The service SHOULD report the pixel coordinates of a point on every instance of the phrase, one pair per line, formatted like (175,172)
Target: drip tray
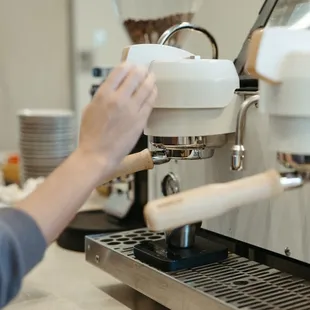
(236,283)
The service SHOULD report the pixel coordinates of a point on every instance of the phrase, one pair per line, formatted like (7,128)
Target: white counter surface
(65,281)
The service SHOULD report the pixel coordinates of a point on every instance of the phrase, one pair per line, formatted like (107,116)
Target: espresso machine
(255,206)
(144,22)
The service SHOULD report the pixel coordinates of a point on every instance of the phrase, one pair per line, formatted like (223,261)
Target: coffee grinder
(144,21)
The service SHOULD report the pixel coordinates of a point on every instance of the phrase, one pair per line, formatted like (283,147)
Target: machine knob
(170,185)
(93,90)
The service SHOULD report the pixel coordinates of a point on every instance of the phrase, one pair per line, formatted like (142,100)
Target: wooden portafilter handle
(133,163)
(210,201)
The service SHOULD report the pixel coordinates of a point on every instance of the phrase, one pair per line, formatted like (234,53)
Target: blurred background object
(46,139)
(10,169)
(145,21)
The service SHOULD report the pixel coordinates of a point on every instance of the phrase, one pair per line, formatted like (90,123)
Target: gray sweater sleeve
(22,246)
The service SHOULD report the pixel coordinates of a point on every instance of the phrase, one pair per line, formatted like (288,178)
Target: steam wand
(164,38)
(238,150)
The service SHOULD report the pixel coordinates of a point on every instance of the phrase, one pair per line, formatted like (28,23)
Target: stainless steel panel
(236,283)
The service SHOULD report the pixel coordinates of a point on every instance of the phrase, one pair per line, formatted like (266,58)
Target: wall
(34,61)
(98,34)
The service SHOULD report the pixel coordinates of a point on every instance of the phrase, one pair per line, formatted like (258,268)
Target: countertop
(65,281)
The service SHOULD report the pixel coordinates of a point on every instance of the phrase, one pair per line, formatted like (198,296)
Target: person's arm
(111,126)
(55,202)
(22,246)
(26,230)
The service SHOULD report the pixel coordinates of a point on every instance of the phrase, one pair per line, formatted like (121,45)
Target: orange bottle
(11,169)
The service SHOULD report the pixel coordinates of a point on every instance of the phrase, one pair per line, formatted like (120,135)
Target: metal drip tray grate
(236,283)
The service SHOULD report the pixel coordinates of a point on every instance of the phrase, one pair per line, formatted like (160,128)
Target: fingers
(130,82)
(147,107)
(145,90)
(133,81)
(117,76)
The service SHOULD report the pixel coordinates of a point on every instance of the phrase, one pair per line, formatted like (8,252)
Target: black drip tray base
(92,223)
(158,255)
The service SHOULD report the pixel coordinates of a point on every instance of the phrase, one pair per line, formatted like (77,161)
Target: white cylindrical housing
(193,122)
(290,135)
(288,106)
(196,97)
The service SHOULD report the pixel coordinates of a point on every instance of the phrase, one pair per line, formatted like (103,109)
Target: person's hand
(113,122)
(111,126)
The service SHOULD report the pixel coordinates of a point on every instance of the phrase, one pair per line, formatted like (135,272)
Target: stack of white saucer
(47,138)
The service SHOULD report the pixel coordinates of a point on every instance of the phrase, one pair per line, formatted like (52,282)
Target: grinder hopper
(145,21)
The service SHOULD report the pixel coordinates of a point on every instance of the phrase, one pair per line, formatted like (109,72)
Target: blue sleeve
(22,246)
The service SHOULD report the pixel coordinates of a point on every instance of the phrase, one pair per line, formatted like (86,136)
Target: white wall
(34,61)
(98,32)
